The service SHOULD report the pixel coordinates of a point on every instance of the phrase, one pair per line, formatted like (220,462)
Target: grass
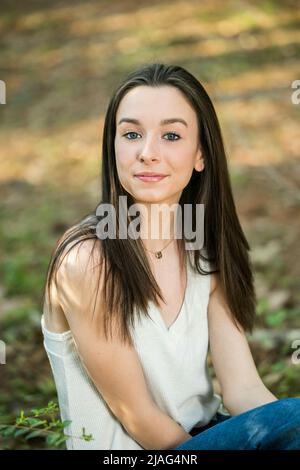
(61,65)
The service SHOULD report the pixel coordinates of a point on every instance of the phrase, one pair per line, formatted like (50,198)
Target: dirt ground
(60,62)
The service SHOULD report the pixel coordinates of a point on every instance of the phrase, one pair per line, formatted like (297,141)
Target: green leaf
(33,434)
(66,423)
(20,432)
(52,406)
(51,439)
(36,422)
(61,440)
(9,431)
(56,422)
(21,419)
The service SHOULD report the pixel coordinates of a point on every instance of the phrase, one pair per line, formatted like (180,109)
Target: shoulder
(75,282)
(80,276)
(82,258)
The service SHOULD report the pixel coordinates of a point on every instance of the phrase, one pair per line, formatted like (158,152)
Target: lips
(148,173)
(150,177)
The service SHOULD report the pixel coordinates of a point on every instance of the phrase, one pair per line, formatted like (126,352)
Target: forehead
(154,104)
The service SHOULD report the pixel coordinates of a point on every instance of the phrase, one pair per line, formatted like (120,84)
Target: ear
(199,161)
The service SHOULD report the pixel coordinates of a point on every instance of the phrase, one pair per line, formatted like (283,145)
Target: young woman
(146,384)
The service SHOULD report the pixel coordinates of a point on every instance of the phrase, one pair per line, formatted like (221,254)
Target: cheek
(124,155)
(182,163)
(182,168)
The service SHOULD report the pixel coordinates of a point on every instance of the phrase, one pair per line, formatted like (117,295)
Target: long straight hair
(129,283)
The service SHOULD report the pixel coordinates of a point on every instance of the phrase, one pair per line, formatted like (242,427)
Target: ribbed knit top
(174,362)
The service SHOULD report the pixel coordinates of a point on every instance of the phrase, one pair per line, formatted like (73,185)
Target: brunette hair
(129,281)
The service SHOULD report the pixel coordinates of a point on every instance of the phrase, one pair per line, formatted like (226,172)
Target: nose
(149,152)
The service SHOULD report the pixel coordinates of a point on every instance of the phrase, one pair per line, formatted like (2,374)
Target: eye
(168,133)
(173,133)
(127,133)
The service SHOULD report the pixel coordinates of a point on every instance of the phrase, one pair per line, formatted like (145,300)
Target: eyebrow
(162,123)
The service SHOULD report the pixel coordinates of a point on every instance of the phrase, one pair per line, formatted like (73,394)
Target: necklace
(158,254)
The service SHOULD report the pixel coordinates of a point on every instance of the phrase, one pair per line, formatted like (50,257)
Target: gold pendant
(158,254)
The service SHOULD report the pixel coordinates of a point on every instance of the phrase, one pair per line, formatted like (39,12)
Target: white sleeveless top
(174,361)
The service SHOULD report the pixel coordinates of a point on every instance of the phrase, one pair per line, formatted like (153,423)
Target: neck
(157,225)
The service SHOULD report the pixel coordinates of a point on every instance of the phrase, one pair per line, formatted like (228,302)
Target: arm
(252,398)
(241,385)
(158,431)
(114,367)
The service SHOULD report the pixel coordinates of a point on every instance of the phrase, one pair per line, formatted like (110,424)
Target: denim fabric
(273,426)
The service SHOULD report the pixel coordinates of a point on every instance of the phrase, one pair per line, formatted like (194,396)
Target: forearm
(157,431)
(248,399)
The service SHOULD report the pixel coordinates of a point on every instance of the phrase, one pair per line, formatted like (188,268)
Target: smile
(149,179)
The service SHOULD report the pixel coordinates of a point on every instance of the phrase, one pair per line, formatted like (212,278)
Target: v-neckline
(157,316)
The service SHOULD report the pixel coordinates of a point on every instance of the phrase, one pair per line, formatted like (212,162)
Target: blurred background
(60,61)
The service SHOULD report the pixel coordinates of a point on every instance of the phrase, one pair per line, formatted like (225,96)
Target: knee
(279,428)
(290,406)
(287,435)
(273,415)
(287,409)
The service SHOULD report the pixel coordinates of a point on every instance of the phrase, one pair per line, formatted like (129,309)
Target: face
(148,145)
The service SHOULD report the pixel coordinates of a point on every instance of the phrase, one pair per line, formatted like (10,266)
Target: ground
(60,62)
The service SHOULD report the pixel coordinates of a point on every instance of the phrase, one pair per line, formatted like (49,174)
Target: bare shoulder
(79,269)
(75,276)
(82,256)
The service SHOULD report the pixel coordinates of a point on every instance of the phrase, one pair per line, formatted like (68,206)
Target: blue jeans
(273,426)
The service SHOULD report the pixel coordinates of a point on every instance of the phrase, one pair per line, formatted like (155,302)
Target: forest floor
(60,65)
